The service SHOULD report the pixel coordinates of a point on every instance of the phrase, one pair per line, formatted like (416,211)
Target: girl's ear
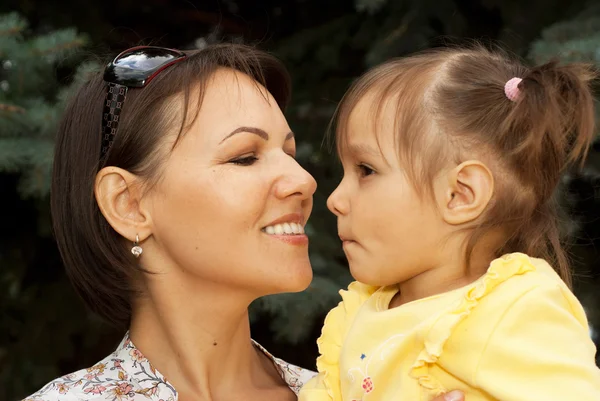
(465,192)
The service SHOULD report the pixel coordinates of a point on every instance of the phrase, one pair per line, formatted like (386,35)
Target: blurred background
(46,46)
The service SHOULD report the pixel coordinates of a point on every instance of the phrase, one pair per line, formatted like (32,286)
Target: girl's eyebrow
(359,149)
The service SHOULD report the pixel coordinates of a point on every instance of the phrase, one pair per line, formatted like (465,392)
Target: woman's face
(232,201)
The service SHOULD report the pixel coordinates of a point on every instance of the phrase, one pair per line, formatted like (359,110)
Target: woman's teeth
(284,229)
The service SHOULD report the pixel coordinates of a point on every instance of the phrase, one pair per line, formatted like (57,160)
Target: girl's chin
(364,274)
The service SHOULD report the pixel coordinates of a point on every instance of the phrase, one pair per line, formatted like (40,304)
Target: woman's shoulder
(89,384)
(293,375)
(124,374)
(127,374)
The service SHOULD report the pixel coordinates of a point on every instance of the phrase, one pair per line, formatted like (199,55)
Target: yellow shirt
(516,334)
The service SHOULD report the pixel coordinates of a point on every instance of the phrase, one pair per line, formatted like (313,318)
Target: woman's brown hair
(97,260)
(450,105)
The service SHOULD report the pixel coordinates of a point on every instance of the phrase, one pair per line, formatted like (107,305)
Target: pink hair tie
(511,89)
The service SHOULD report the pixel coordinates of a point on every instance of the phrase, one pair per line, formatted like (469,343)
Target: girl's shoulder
(516,288)
(515,279)
(514,275)
(517,292)
(511,308)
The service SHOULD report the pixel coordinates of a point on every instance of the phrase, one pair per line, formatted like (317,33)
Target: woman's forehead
(234,91)
(231,100)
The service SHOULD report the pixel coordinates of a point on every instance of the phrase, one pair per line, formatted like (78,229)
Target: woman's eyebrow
(254,130)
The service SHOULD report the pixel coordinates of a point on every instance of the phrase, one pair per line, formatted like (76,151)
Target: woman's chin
(303,282)
(297,279)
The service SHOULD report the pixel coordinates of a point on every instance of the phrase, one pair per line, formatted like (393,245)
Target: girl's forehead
(367,145)
(368,123)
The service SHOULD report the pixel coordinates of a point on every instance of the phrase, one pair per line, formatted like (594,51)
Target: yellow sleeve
(326,385)
(540,349)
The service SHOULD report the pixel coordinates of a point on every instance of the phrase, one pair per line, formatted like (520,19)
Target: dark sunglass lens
(135,67)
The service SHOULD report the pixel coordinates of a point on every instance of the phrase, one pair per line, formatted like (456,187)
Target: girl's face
(390,234)
(232,201)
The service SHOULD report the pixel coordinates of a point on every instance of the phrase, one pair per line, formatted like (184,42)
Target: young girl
(447,218)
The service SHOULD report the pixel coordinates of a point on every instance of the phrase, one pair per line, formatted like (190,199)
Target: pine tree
(573,40)
(33,286)
(31,98)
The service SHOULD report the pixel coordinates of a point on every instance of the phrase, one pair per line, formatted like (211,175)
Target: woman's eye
(245,161)
(365,170)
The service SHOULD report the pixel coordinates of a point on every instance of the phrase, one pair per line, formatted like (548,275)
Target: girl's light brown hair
(97,259)
(450,106)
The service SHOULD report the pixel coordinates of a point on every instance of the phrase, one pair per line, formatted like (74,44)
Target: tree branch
(63,46)
(12,108)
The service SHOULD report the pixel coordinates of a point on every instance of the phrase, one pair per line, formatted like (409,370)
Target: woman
(187,208)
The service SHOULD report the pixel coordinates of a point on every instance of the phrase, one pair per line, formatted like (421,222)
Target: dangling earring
(136,250)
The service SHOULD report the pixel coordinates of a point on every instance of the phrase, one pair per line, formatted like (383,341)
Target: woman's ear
(119,196)
(465,191)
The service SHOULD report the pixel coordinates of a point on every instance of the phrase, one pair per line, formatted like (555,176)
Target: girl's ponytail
(549,128)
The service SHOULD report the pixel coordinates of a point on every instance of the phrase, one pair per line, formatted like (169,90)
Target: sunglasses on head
(133,68)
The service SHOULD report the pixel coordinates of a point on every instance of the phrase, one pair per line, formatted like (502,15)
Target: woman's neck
(198,336)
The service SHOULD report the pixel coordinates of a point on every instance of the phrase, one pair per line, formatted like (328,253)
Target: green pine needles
(32,97)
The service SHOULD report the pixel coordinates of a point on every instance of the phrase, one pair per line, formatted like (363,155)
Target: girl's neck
(444,277)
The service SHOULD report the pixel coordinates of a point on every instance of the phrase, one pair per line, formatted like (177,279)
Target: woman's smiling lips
(288,228)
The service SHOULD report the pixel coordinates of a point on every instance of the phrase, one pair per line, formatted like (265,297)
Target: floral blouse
(126,375)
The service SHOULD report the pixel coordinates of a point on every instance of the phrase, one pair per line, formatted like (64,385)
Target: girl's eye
(245,161)
(365,170)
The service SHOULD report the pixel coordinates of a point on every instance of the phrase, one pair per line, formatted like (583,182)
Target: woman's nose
(296,181)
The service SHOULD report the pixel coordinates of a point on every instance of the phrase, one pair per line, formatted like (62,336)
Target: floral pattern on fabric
(294,376)
(126,375)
